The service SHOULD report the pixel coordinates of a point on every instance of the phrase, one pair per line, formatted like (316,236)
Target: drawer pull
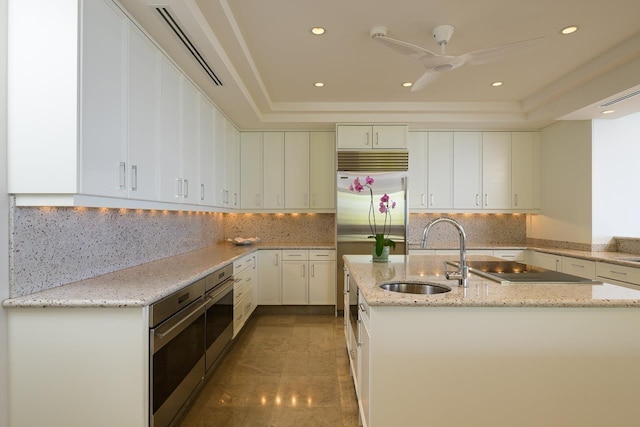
(621,273)
(577,265)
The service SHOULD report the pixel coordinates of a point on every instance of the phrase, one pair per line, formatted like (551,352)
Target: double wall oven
(189,330)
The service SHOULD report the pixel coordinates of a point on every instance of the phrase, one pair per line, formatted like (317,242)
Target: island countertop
(480,293)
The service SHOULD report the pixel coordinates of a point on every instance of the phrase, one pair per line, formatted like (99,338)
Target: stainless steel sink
(425,288)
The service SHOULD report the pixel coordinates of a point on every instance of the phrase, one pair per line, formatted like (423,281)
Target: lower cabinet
(618,274)
(579,267)
(244,302)
(364,358)
(309,277)
(544,260)
(270,277)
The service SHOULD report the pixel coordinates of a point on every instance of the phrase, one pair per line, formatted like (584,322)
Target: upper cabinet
(363,137)
(473,171)
(288,171)
(119,125)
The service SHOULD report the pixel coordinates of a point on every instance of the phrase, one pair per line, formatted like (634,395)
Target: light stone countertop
(480,293)
(147,283)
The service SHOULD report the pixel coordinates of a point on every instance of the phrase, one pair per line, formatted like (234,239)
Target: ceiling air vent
(621,98)
(164,12)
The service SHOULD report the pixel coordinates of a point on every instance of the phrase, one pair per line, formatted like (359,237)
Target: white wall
(616,200)
(4,218)
(565,184)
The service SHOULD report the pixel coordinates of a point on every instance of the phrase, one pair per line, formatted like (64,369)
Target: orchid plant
(384,207)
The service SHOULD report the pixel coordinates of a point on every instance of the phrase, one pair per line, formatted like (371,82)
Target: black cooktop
(516,272)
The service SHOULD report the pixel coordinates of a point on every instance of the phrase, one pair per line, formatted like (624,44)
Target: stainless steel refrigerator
(389,173)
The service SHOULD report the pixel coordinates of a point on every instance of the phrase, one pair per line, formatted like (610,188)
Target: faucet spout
(462,275)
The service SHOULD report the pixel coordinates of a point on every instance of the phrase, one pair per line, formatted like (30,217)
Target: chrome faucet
(462,275)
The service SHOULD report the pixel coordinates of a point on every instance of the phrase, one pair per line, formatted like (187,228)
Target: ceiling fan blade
(428,76)
(483,56)
(404,47)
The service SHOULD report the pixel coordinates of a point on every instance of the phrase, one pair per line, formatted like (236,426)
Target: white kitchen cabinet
(189,146)
(545,260)
(309,277)
(207,151)
(270,277)
(296,161)
(251,174)
(364,361)
(467,171)
(417,185)
(579,267)
(322,277)
(620,274)
(368,137)
(295,271)
(273,170)
(143,117)
(525,157)
(496,170)
(322,170)
(430,170)
(220,161)
(232,165)
(245,275)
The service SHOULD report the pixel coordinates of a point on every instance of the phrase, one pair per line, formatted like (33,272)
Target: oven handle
(217,293)
(166,332)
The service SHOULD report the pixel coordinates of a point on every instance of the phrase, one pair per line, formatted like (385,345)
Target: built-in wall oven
(219,331)
(188,331)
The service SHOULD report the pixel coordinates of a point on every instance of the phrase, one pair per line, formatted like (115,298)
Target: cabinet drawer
(241,288)
(618,272)
(579,267)
(295,255)
(242,264)
(322,255)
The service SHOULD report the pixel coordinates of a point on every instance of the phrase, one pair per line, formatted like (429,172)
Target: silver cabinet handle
(621,273)
(123,175)
(186,188)
(178,192)
(477,201)
(304,270)
(486,199)
(134,177)
(361,306)
(377,139)
(277,256)
(422,199)
(201,191)
(577,265)
(515,200)
(366,138)
(431,199)
(235,199)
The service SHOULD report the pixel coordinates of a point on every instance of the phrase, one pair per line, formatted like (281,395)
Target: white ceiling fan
(438,63)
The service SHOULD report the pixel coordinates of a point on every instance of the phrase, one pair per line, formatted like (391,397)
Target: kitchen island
(493,354)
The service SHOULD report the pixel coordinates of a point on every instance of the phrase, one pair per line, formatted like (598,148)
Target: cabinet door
(417,191)
(322,282)
(269,277)
(103,106)
(523,157)
(296,161)
(207,152)
(295,282)
(364,365)
(496,170)
(579,267)
(467,171)
(189,148)
(170,187)
(354,136)
(143,138)
(273,175)
(220,160)
(390,136)
(548,261)
(322,170)
(232,153)
(440,170)
(251,170)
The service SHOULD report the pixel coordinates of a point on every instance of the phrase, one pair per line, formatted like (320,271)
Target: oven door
(177,361)
(219,330)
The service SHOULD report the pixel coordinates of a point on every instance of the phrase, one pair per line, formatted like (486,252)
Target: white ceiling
(268,60)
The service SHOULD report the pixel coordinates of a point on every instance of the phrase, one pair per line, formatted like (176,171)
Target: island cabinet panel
(502,366)
(75,367)
(270,277)
(617,273)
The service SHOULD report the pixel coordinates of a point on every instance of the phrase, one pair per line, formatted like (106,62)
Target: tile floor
(283,370)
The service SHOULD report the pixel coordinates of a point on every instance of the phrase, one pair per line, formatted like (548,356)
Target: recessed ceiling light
(317,31)
(569,30)
(318,84)
(496,84)
(608,111)
(407,84)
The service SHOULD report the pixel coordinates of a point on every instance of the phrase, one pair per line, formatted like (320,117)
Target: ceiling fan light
(317,31)
(569,30)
